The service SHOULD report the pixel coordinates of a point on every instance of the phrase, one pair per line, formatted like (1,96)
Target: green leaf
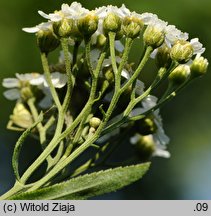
(19,143)
(89,185)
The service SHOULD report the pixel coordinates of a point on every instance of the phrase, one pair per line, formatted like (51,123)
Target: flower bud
(144,145)
(94,122)
(112,23)
(182,51)
(63,28)
(153,36)
(199,66)
(146,126)
(108,74)
(101,40)
(88,25)
(132,27)
(179,75)
(163,58)
(26,93)
(47,41)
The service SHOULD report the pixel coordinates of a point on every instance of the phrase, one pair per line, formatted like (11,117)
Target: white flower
(197,46)
(74,11)
(159,150)
(146,18)
(103,12)
(148,103)
(43,26)
(59,80)
(173,34)
(15,84)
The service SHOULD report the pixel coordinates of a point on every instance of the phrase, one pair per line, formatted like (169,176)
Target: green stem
(88,57)
(112,52)
(63,163)
(35,115)
(15,189)
(161,103)
(70,78)
(144,60)
(49,81)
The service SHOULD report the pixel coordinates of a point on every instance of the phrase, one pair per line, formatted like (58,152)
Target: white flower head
(148,103)
(35,79)
(74,11)
(158,150)
(15,84)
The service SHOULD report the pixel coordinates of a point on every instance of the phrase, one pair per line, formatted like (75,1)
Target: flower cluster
(101,81)
(94,96)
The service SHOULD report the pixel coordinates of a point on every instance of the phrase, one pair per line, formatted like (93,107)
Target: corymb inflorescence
(94,97)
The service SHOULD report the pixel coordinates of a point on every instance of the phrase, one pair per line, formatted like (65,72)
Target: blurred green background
(187,119)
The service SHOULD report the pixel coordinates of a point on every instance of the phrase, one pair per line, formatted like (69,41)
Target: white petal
(137,111)
(37,81)
(10,82)
(148,18)
(134,139)
(65,8)
(119,46)
(12,94)
(61,57)
(95,54)
(139,87)
(41,13)
(58,80)
(149,102)
(125,74)
(46,102)
(197,46)
(31,30)
(162,153)
(154,53)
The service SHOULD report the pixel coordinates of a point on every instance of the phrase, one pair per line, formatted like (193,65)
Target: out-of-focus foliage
(187,119)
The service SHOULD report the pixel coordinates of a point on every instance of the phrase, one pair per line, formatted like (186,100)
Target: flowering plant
(93,99)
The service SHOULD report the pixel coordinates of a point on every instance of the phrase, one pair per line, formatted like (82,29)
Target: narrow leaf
(18,146)
(89,185)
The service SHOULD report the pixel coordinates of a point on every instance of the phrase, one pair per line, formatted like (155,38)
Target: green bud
(145,147)
(88,25)
(163,58)
(182,51)
(132,27)
(26,93)
(94,122)
(47,41)
(112,23)
(179,75)
(101,40)
(108,74)
(153,36)
(119,35)
(146,126)
(199,66)
(63,28)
